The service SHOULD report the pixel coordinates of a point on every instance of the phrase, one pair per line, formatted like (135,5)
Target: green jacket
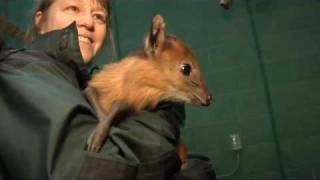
(45,121)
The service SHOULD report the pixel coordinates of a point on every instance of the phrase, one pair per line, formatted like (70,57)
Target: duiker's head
(178,64)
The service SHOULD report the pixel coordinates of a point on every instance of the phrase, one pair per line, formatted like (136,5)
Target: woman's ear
(38,18)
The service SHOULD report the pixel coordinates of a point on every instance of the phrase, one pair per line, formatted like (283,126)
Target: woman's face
(90,17)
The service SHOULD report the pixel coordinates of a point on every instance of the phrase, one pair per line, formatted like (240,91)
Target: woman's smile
(85,39)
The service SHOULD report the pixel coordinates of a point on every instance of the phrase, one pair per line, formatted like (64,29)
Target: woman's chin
(86,56)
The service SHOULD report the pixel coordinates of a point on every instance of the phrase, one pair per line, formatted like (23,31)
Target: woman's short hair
(43,6)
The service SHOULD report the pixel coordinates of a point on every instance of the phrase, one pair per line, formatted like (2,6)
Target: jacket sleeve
(141,146)
(45,121)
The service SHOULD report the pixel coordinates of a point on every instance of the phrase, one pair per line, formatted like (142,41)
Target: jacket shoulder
(37,62)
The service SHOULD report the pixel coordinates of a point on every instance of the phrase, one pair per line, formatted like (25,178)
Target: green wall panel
(16,11)
(288,32)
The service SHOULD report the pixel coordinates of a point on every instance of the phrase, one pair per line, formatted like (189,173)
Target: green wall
(261,60)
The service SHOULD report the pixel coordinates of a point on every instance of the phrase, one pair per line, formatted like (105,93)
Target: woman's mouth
(85,39)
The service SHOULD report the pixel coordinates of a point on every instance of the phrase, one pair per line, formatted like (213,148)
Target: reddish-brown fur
(151,76)
(132,81)
(143,82)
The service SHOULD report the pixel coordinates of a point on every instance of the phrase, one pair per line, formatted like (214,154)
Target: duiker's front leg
(182,151)
(100,133)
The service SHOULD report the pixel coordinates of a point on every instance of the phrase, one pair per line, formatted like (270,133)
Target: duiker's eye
(186,69)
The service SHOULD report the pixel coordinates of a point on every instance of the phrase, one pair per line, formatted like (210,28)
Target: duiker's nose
(208,100)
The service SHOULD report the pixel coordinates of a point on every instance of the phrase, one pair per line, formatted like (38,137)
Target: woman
(45,119)
(92,20)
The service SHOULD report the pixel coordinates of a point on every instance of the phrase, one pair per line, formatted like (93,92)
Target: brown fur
(143,82)
(151,76)
(134,81)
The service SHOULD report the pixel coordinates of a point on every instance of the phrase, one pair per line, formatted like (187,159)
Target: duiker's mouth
(200,101)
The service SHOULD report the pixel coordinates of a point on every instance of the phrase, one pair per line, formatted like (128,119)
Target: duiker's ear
(155,40)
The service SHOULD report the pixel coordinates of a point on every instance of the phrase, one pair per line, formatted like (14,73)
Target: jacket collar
(63,45)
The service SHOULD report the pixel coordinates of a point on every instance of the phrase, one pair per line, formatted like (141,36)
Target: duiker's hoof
(96,140)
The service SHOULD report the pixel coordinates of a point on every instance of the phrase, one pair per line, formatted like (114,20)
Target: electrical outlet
(235,142)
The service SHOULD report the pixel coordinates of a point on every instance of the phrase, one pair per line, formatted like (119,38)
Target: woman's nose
(85,20)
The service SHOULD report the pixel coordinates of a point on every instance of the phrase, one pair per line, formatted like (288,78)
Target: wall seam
(266,86)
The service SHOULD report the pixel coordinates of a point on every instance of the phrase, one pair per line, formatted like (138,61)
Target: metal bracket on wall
(226,4)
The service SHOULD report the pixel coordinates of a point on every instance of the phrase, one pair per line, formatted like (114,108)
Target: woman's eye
(100,18)
(186,69)
(73,9)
